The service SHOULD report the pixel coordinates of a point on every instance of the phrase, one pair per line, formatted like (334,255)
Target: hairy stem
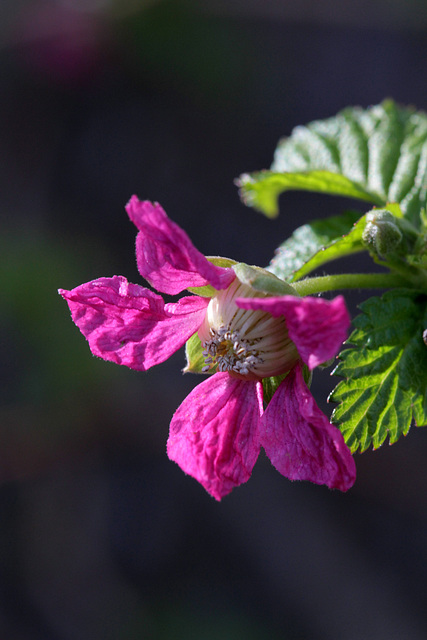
(310,286)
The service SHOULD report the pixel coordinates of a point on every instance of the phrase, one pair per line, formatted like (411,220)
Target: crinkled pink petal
(214,434)
(317,327)
(299,439)
(165,255)
(131,325)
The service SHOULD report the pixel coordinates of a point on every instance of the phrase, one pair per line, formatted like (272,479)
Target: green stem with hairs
(310,286)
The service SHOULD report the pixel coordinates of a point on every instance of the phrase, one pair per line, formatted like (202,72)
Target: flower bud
(382,234)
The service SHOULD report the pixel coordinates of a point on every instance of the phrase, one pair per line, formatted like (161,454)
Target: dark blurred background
(101,537)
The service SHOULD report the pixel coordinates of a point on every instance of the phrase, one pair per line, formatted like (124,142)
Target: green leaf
(261,190)
(378,154)
(305,249)
(385,373)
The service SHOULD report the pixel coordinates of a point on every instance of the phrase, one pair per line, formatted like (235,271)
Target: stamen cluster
(229,351)
(244,342)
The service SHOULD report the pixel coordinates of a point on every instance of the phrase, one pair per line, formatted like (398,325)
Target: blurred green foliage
(52,387)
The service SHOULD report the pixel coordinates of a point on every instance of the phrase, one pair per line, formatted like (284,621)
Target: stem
(349,281)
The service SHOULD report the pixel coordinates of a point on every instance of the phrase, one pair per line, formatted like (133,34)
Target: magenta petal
(131,325)
(300,441)
(214,434)
(317,327)
(166,257)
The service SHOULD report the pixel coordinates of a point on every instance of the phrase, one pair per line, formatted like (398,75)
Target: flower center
(246,343)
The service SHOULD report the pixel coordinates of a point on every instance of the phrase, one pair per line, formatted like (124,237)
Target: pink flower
(246,335)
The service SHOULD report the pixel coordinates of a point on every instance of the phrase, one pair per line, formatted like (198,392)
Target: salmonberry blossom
(244,335)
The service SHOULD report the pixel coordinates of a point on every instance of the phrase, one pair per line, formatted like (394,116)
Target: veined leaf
(385,372)
(261,190)
(309,245)
(378,154)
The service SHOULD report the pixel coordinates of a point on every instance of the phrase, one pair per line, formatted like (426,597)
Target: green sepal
(208,291)
(269,386)
(308,374)
(395,209)
(419,260)
(262,280)
(385,371)
(194,356)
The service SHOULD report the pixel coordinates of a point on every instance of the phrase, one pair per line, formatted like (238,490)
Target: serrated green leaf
(307,241)
(385,372)
(378,154)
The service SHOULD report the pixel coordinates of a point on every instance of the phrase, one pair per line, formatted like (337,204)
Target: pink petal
(166,257)
(214,433)
(300,441)
(317,327)
(131,325)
